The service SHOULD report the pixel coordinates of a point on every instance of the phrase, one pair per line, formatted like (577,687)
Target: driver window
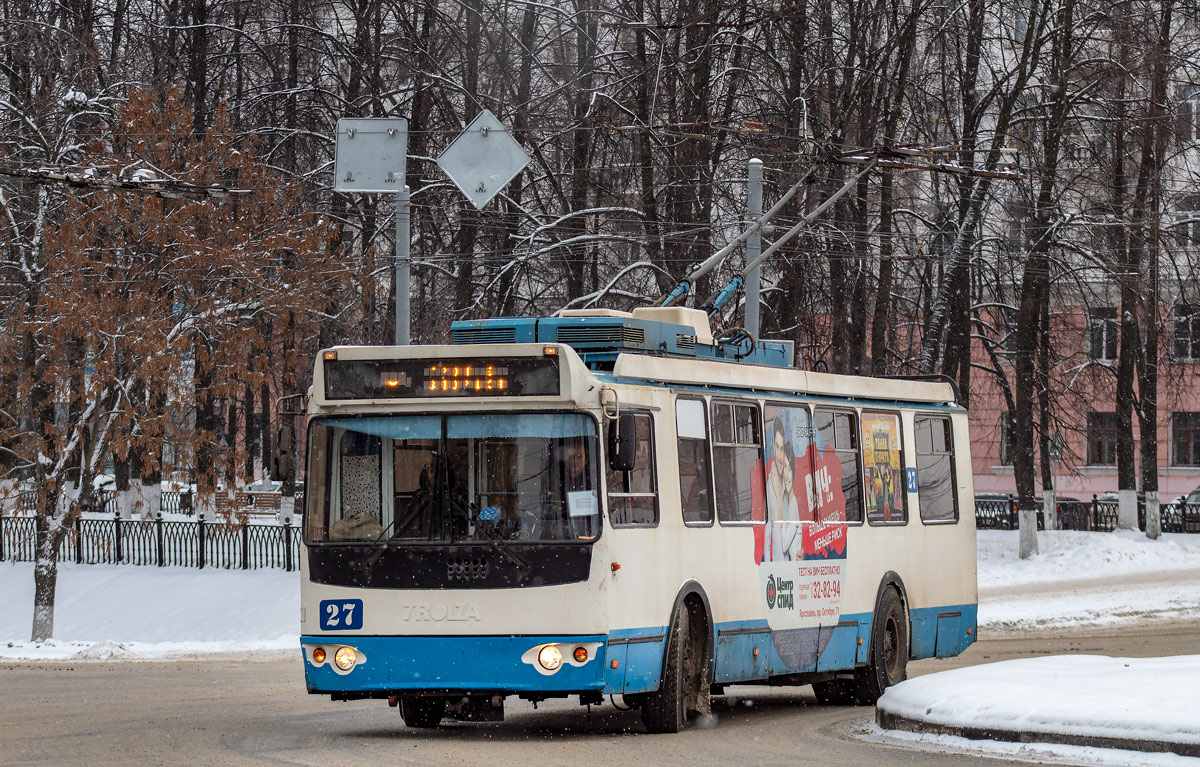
(413,474)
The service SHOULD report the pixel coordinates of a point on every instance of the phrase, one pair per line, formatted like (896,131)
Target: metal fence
(199,543)
(171,502)
(1094,515)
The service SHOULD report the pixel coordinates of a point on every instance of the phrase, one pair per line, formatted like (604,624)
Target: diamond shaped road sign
(483,159)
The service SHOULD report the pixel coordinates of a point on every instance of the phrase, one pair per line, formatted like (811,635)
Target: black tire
(835,692)
(665,709)
(422,712)
(889,650)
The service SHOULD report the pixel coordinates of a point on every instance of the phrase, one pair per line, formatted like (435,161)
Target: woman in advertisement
(783,505)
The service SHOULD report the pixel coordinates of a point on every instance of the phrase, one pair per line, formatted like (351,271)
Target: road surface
(239,711)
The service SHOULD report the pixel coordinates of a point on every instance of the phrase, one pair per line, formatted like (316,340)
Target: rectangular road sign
(370,154)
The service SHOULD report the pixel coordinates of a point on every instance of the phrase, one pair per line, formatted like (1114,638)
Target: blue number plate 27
(341,614)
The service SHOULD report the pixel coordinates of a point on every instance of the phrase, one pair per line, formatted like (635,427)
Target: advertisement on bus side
(804,554)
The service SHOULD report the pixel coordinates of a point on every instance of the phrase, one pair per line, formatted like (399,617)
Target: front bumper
(492,664)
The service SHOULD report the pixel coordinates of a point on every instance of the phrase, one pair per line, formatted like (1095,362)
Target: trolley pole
(403,265)
(754,243)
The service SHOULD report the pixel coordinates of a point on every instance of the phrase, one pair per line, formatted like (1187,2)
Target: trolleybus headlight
(345,658)
(581,654)
(319,655)
(550,657)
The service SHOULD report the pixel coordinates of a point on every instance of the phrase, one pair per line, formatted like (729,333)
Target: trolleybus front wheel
(422,712)
(889,650)
(683,689)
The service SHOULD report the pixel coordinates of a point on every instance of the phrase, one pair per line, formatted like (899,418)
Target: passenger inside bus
(414,472)
(572,512)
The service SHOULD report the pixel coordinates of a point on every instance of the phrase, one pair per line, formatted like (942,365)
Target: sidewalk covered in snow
(1137,704)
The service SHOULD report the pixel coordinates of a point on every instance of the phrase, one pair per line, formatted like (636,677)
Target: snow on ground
(1037,753)
(1077,579)
(1090,696)
(1065,555)
(1086,579)
(109,612)
(149,612)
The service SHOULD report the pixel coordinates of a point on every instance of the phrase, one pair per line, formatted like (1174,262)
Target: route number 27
(341,614)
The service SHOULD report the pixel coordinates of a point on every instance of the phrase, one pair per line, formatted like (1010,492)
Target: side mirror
(283,463)
(622,443)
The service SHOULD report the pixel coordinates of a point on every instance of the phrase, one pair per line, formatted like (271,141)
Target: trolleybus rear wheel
(835,692)
(889,650)
(422,712)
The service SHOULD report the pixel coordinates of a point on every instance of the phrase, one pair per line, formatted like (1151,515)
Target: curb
(889,721)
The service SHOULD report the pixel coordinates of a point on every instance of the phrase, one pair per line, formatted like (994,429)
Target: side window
(935,469)
(632,495)
(883,469)
(695,474)
(737,455)
(837,434)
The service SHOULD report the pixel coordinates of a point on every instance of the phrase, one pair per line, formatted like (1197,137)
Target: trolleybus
(618,504)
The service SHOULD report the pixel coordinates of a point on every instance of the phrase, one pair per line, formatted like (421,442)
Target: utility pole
(403,265)
(753,243)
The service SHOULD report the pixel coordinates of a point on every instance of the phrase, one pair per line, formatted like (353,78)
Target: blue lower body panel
(483,663)
(750,651)
(943,632)
(746,651)
(639,656)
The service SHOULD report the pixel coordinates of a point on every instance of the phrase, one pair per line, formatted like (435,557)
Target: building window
(1007,424)
(1188,230)
(1102,333)
(695,474)
(632,495)
(1186,338)
(1102,439)
(1188,127)
(935,469)
(1185,439)
(1187,222)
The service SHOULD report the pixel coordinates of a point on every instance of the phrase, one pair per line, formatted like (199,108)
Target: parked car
(1191,499)
(1000,510)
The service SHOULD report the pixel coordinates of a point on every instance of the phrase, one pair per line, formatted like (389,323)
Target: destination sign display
(402,379)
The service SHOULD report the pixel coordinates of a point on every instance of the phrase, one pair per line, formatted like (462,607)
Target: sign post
(371,157)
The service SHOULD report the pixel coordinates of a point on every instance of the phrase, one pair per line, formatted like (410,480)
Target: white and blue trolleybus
(618,504)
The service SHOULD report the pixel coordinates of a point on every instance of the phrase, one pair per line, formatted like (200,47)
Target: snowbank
(1066,555)
(1086,579)
(1087,699)
(117,611)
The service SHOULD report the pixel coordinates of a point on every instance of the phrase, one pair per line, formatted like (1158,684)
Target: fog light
(581,654)
(550,657)
(345,658)
(319,655)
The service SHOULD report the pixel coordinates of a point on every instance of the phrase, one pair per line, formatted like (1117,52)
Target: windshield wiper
(488,528)
(371,558)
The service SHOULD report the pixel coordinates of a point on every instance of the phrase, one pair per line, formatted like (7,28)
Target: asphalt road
(256,712)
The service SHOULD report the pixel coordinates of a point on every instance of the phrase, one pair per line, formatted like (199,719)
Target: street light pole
(403,266)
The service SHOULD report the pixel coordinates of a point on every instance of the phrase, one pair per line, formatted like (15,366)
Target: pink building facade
(1084,404)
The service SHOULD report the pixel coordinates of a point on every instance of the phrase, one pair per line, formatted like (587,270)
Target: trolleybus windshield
(529,477)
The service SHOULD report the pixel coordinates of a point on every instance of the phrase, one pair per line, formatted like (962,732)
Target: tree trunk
(50,531)
(1148,369)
